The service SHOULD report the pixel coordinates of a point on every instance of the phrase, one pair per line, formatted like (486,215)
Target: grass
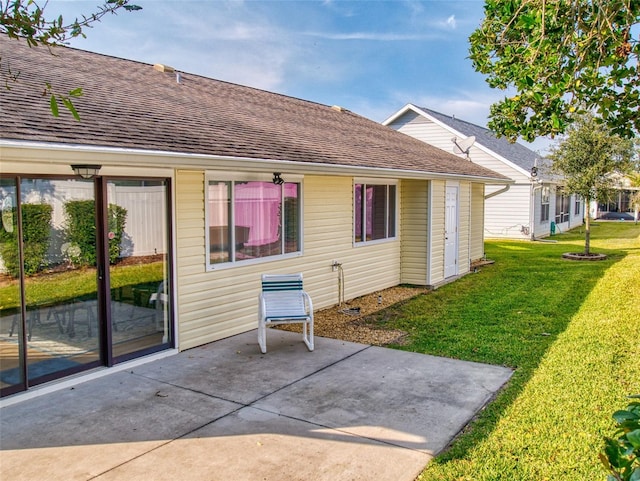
(62,286)
(570,330)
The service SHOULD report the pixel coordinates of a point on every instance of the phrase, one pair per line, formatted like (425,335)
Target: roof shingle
(128,104)
(512,151)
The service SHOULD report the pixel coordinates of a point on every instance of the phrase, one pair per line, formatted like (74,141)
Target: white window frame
(563,207)
(249,177)
(545,201)
(367,182)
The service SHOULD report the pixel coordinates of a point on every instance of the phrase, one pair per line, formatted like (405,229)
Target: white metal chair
(283,301)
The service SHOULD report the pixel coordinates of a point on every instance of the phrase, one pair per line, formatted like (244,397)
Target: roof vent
(339,109)
(163,68)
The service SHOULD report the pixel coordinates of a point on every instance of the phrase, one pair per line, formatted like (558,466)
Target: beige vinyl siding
(436,270)
(477,222)
(223,302)
(414,204)
(328,236)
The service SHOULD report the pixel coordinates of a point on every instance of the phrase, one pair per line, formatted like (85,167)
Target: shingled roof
(512,151)
(131,105)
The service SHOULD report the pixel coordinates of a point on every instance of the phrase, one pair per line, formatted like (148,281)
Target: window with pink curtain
(265,220)
(374,212)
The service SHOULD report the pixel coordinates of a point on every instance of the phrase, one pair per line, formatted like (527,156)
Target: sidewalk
(224,411)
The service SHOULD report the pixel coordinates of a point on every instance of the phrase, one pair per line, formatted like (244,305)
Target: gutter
(498,192)
(115,156)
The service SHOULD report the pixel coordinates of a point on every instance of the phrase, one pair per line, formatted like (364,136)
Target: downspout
(498,192)
(532,210)
(493,194)
(469,228)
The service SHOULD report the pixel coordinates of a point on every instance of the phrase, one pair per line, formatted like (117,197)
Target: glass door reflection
(61,290)
(11,338)
(52,323)
(138,236)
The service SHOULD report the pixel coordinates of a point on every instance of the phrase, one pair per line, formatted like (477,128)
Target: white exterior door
(451,232)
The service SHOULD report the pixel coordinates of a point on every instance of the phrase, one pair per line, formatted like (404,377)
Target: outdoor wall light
(86,171)
(277,179)
(534,172)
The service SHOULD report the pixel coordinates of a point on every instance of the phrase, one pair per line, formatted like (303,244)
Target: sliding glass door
(138,236)
(84,275)
(12,350)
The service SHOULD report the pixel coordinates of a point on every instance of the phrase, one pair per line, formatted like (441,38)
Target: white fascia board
(445,126)
(66,154)
(401,112)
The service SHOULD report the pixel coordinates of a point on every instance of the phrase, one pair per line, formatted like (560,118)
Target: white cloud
(451,22)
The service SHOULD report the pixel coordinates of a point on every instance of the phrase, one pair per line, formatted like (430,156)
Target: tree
(25,20)
(591,160)
(561,57)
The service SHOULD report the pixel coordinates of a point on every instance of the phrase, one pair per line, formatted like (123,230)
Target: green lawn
(571,331)
(63,286)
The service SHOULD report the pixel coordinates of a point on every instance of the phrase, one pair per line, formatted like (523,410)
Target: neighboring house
(218,184)
(532,207)
(620,205)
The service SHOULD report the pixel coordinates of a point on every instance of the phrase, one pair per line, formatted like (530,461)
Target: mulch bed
(348,323)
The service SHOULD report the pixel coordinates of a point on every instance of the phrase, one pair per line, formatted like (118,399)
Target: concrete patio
(224,411)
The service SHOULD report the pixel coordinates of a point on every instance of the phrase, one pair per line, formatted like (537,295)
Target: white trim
(211,175)
(457,133)
(429,231)
(65,154)
(225,175)
(173,302)
(470,194)
(456,244)
(357,243)
(79,378)
(375,181)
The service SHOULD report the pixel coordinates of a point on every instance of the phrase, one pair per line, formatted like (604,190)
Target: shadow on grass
(509,313)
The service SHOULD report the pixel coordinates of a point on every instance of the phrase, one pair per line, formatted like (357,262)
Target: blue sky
(371,57)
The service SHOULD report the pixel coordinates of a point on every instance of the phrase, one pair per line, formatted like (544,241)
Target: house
(620,205)
(534,205)
(146,225)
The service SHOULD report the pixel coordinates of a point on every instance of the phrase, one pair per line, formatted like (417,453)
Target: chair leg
(262,337)
(307,334)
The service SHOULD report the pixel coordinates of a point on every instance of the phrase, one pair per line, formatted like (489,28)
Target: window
(375,212)
(562,207)
(577,206)
(252,220)
(544,211)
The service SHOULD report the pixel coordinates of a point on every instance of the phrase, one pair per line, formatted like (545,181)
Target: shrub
(117,219)
(621,454)
(36,232)
(80,231)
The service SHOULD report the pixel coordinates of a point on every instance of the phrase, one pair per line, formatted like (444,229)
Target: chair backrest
(281,282)
(283,295)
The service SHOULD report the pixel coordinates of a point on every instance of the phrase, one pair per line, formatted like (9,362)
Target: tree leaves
(591,159)
(621,455)
(24,20)
(561,57)
(65,99)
